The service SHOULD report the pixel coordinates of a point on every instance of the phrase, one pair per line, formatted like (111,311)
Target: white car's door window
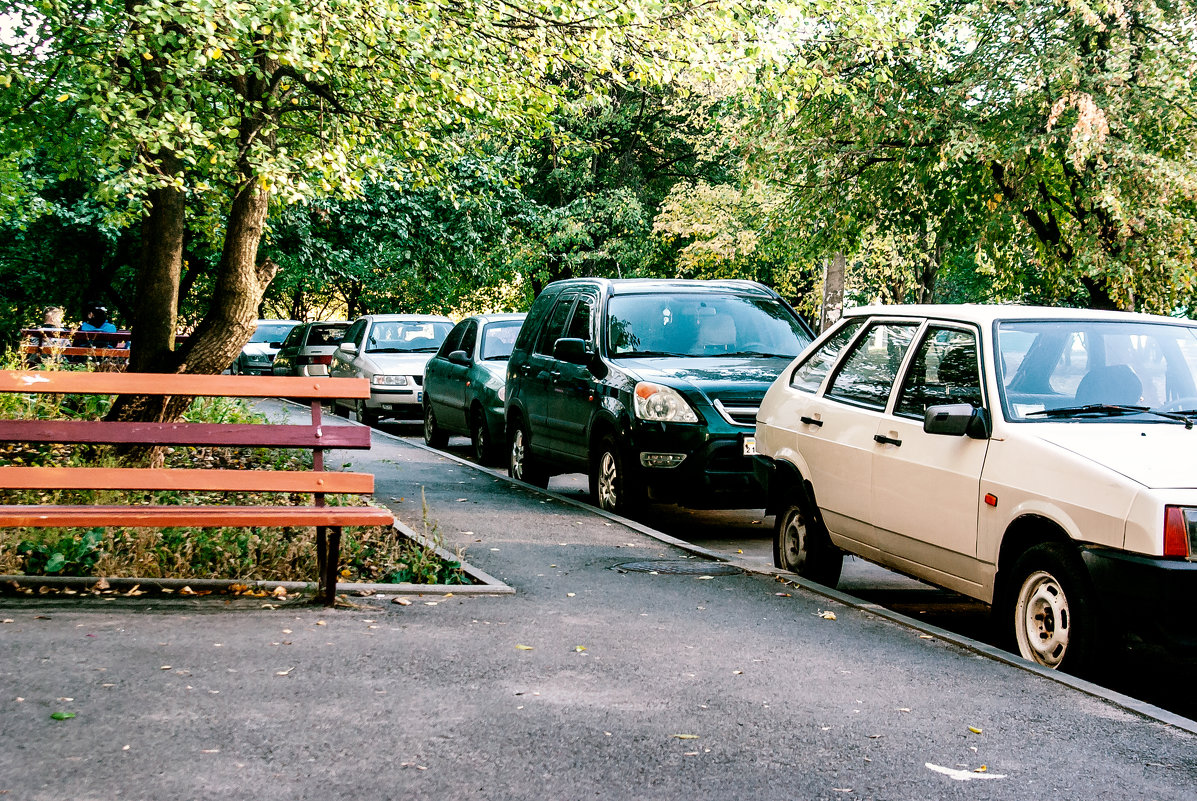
(868,372)
(809,375)
(944,370)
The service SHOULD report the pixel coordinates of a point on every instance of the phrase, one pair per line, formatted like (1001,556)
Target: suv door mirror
(573,351)
(957,420)
(349,348)
(459,357)
(276,345)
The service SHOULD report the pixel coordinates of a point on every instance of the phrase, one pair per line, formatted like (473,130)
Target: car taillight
(315,359)
(1180,530)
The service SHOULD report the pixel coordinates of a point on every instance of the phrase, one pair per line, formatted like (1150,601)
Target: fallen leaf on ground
(186,591)
(579,648)
(826,615)
(686,736)
(523,647)
(974,729)
(401,601)
(705,578)
(62,715)
(279,592)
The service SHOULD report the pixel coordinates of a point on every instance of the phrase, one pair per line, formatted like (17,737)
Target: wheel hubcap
(608,481)
(1042,620)
(517,455)
(793,542)
(480,444)
(429,425)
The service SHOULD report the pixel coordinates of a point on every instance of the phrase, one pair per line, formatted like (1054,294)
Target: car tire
(480,437)
(235,368)
(802,545)
(434,435)
(613,486)
(365,416)
(521,463)
(1049,603)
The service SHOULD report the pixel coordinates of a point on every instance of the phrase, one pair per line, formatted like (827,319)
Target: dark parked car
(257,357)
(464,384)
(308,349)
(649,386)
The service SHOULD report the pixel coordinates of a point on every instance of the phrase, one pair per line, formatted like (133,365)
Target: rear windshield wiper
(1110,410)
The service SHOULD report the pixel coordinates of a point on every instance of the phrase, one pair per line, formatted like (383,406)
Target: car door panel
(574,394)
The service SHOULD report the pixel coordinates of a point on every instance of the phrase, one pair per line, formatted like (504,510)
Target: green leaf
(62,715)
(55,563)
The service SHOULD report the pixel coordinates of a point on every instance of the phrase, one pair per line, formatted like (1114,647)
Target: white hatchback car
(1037,459)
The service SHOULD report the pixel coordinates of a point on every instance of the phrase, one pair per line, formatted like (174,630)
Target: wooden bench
(327,520)
(40,344)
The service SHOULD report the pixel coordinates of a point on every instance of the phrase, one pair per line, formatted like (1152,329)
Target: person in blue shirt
(97,320)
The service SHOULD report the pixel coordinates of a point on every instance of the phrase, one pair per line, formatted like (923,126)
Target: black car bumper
(715,473)
(1149,596)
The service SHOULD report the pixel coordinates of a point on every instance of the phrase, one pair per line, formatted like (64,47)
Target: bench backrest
(313,435)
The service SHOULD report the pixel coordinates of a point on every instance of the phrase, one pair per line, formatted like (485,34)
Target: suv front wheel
(612,487)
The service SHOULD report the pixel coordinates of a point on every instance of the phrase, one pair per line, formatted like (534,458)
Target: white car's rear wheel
(801,545)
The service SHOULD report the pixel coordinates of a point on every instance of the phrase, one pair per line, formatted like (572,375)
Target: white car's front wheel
(1052,612)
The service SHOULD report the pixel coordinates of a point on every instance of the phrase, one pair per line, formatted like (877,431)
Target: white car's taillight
(1180,531)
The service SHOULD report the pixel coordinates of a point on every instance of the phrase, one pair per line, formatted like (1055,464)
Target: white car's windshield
(1087,370)
(407,337)
(271,332)
(702,324)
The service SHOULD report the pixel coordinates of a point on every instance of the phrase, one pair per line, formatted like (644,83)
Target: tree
(1050,144)
(228,105)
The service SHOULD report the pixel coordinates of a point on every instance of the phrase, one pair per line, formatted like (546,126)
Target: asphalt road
(747,534)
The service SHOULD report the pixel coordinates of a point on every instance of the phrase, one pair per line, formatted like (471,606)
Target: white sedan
(1036,459)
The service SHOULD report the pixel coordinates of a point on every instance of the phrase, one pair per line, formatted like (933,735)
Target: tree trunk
(833,291)
(156,298)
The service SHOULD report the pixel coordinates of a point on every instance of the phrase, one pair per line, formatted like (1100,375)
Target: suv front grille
(738,410)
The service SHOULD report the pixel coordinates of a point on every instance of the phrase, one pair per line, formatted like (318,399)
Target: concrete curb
(982,649)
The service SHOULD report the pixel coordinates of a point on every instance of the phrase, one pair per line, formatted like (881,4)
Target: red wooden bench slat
(135,478)
(233,386)
(240,434)
(202,516)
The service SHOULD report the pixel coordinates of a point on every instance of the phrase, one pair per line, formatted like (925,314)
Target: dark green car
(649,386)
(464,384)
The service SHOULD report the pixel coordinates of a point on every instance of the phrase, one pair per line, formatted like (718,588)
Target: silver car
(257,357)
(390,350)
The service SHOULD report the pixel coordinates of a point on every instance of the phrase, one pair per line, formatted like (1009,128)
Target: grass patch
(378,554)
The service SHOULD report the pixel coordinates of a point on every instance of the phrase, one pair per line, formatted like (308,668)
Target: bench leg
(332,561)
(321,558)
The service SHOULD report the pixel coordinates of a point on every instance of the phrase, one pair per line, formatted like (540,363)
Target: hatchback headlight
(662,404)
(389,380)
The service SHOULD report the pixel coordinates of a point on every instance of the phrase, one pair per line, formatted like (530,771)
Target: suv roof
(628,286)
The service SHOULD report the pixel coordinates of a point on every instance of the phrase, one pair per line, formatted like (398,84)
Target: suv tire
(613,487)
(801,545)
(521,463)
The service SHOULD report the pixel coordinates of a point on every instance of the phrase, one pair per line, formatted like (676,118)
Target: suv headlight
(389,380)
(662,404)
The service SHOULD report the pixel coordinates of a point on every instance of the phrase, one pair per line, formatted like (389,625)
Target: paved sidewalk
(589,682)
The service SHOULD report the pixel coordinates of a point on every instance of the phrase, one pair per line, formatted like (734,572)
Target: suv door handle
(884,440)
(810,421)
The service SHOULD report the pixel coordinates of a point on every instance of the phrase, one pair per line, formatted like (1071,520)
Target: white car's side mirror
(957,420)
(349,348)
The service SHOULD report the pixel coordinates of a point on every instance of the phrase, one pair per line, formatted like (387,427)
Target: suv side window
(944,370)
(555,327)
(296,334)
(469,338)
(536,314)
(580,324)
(809,375)
(453,341)
(868,372)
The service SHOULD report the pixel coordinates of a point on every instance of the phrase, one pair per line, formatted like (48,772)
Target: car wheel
(521,463)
(1052,609)
(434,436)
(802,545)
(235,368)
(365,416)
(612,485)
(480,436)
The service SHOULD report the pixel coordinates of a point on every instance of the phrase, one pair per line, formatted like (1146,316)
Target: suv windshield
(1092,370)
(702,324)
(408,336)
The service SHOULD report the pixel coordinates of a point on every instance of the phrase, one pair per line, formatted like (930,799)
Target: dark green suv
(649,386)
